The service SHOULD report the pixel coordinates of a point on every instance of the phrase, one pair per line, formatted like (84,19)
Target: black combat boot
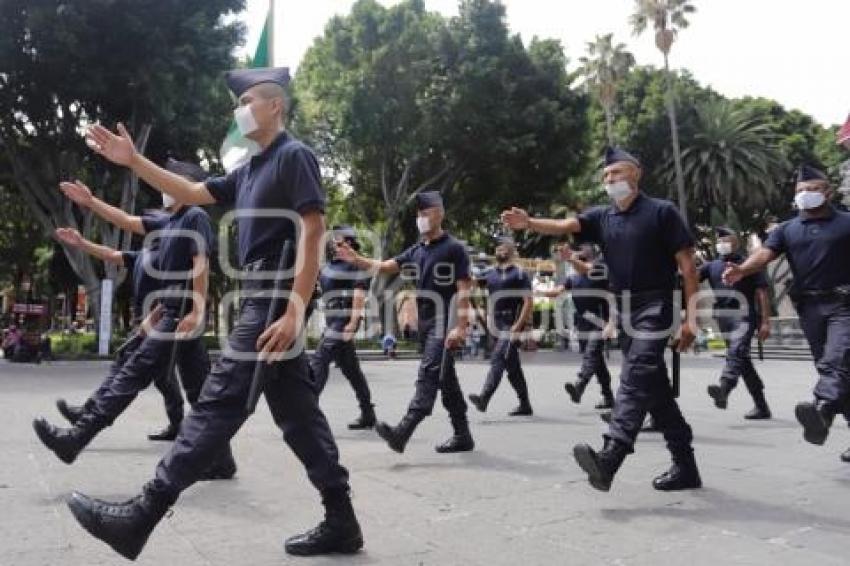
(816,419)
(366,419)
(606,417)
(720,393)
(396,437)
(523,409)
(223,468)
(602,466)
(66,443)
(338,533)
(168,434)
(480,402)
(576,390)
(123,526)
(72,413)
(460,441)
(761,411)
(683,474)
(845,457)
(607,401)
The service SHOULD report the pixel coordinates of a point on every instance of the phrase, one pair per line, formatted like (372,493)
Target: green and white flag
(236,149)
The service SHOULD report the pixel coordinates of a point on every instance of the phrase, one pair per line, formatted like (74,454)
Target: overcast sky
(794,52)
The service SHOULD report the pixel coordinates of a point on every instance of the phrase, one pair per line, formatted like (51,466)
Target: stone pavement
(769,498)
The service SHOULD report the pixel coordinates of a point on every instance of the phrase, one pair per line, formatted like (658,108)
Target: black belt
(840,292)
(262,264)
(338,304)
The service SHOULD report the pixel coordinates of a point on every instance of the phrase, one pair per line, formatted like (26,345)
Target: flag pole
(270,32)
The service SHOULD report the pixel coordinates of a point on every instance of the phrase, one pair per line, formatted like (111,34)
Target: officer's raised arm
(80,194)
(347,254)
(519,219)
(121,150)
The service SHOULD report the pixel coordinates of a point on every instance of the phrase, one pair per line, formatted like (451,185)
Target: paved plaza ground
(518,499)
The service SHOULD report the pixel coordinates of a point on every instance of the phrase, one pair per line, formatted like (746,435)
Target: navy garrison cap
(348,233)
(429,199)
(240,80)
(616,155)
(722,231)
(504,241)
(809,173)
(188,170)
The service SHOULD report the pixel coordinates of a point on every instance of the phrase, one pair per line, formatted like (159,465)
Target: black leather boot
(123,526)
(816,419)
(845,457)
(761,411)
(460,441)
(683,474)
(72,413)
(396,437)
(523,409)
(602,466)
(720,393)
(606,417)
(66,443)
(223,468)
(607,401)
(167,434)
(576,390)
(480,402)
(338,533)
(366,419)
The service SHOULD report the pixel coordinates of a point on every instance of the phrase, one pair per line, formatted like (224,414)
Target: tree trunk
(674,134)
(609,125)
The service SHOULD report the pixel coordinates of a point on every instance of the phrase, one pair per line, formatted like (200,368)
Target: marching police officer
(509,289)
(738,323)
(644,241)
(147,357)
(344,290)
(589,288)
(816,243)
(278,198)
(440,265)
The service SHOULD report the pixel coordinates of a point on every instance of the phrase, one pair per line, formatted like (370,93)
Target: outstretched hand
(515,219)
(69,236)
(77,192)
(118,149)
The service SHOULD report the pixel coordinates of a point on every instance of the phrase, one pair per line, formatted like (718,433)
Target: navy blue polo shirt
(596,280)
(713,272)
(816,249)
(437,266)
(286,176)
(175,249)
(510,279)
(338,280)
(640,244)
(142,283)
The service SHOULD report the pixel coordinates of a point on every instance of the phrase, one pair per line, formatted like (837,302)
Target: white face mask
(618,190)
(245,120)
(724,248)
(423,224)
(807,200)
(168,201)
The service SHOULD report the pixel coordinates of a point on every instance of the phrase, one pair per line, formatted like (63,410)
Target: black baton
(260,369)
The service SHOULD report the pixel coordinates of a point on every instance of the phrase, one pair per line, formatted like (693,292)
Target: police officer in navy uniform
(738,322)
(440,265)
(589,288)
(344,290)
(182,262)
(816,243)
(278,198)
(509,292)
(644,241)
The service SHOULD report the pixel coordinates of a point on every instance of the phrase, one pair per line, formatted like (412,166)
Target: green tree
(667,17)
(156,66)
(603,69)
(732,165)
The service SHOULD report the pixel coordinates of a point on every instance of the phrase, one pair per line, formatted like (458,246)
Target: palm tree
(604,67)
(667,18)
(733,165)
